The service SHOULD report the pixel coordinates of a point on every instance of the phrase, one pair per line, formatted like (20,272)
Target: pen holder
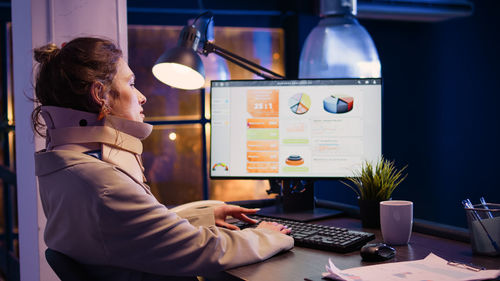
(484,228)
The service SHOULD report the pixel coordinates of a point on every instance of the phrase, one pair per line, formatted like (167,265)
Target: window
(9,245)
(176,154)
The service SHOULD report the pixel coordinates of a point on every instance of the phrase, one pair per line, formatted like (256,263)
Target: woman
(98,209)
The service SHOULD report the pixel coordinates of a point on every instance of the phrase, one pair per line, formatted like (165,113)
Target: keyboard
(315,236)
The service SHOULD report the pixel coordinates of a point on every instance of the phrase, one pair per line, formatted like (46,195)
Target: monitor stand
(296,202)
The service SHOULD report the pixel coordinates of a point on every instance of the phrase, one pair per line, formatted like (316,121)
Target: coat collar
(81,122)
(118,139)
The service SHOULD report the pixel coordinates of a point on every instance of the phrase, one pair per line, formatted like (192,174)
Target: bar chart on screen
(262,131)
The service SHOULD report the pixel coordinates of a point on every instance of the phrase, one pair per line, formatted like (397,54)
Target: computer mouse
(377,252)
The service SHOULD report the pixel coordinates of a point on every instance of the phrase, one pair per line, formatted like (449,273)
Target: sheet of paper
(432,268)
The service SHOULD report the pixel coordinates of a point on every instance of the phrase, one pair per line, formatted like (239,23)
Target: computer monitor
(294,129)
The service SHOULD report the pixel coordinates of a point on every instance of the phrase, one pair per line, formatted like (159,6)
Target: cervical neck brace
(118,139)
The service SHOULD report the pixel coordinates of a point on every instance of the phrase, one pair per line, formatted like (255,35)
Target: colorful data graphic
(333,104)
(294,160)
(262,132)
(299,103)
(222,165)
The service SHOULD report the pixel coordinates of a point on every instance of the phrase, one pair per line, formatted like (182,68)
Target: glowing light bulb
(172,136)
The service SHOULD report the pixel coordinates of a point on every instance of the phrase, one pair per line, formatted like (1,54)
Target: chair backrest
(66,268)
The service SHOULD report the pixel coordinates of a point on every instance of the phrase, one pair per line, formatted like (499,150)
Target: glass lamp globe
(339,47)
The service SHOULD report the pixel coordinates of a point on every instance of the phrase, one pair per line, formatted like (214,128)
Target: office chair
(66,268)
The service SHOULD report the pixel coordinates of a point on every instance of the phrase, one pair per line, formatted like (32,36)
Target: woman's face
(125,100)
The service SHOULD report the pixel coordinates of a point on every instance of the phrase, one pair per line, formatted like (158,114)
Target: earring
(105,110)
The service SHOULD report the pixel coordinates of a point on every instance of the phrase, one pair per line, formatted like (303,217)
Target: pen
(467,204)
(468,266)
(483,202)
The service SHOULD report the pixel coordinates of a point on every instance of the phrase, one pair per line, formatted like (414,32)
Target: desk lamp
(181,67)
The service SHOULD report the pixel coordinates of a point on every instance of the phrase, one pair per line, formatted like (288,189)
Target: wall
(36,23)
(440,111)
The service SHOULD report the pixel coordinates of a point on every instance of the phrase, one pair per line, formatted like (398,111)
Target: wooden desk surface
(300,263)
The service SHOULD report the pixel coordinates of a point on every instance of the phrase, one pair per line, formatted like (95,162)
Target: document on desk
(431,268)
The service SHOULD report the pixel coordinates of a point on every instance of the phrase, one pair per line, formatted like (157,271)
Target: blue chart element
(333,104)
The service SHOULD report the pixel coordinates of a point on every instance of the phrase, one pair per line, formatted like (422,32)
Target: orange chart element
(262,156)
(263,103)
(260,145)
(294,160)
(262,123)
(256,167)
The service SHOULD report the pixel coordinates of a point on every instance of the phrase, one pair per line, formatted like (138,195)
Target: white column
(36,23)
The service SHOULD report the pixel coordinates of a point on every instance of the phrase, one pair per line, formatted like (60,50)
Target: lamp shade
(181,67)
(339,47)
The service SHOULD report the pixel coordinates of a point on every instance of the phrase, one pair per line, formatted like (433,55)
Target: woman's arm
(198,213)
(140,233)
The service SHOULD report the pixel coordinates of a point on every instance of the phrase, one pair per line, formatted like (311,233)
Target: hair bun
(46,53)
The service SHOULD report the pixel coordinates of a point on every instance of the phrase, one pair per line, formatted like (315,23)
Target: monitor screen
(309,128)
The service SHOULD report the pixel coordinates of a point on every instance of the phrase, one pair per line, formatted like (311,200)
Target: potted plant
(374,183)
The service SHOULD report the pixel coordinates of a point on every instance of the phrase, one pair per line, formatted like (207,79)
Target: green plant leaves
(376,182)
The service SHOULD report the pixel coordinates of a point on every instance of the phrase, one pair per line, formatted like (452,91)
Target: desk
(300,263)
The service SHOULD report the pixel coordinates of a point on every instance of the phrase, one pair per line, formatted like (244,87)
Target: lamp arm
(209,47)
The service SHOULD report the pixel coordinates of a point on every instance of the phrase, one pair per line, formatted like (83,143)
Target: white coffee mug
(396,221)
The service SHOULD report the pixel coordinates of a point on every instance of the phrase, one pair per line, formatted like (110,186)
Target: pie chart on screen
(299,103)
(340,104)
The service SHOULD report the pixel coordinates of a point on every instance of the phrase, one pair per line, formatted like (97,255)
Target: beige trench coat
(99,215)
